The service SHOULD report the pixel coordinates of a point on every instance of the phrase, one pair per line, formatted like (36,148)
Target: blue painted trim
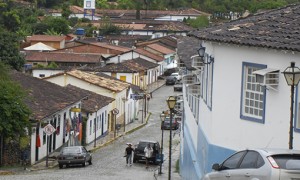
(244,64)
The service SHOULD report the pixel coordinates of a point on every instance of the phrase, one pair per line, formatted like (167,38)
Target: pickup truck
(178,86)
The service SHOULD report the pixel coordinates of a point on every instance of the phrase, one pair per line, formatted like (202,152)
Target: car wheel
(90,161)
(83,164)
(60,166)
(67,165)
(134,160)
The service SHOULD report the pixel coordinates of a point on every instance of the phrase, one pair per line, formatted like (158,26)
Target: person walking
(128,154)
(148,154)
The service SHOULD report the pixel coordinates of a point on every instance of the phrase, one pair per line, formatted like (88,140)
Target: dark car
(170,80)
(139,154)
(74,155)
(166,123)
(178,86)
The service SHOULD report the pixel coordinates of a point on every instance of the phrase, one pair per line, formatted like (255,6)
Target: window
(206,81)
(233,161)
(41,75)
(91,127)
(250,160)
(123,78)
(253,95)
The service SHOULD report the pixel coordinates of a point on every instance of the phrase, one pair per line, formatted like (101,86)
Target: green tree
(103,4)
(14,116)
(58,24)
(126,4)
(66,12)
(9,50)
(199,22)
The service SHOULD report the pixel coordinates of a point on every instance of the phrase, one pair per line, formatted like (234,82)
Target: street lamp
(124,99)
(95,123)
(162,118)
(292,77)
(171,101)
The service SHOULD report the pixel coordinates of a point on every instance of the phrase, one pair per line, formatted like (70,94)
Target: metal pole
(162,147)
(47,151)
(145,107)
(95,129)
(170,144)
(115,120)
(124,115)
(291,118)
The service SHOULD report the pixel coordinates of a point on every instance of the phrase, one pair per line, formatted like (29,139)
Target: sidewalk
(105,140)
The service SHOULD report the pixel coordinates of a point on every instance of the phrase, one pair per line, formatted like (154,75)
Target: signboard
(115,111)
(49,129)
(136,96)
(75,109)
(89,4)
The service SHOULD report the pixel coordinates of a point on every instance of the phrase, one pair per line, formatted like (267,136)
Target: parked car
(166,123)
(139,154)
(262,164)
(170,80)
(74,155)
(176,75)
(178,86)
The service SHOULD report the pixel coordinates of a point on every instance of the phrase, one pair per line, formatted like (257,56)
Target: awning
(265,71)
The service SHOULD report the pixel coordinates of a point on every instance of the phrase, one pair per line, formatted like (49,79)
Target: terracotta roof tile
(107,83)
(275,29)
(62,57)
(41,38)
(149,54)
(93,99)
(161,48)
(45,98)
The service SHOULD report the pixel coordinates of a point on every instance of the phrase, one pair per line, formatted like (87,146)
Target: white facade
(97,122)
(65,132)
(41,73)
(175,17)
(232,111)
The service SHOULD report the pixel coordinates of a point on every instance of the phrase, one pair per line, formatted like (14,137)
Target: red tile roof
(41,38)
(149,54)
(160,48)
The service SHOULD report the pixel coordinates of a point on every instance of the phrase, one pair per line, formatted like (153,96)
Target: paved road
(108,162)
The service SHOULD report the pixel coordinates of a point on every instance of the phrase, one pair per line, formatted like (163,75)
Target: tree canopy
(14,116)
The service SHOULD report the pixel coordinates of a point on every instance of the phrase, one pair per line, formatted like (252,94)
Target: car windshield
(289,161)
(71,150)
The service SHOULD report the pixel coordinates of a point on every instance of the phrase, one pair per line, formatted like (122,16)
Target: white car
(258,164)
(176,75)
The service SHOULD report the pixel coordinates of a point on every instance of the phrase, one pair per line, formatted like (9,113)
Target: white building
(227,109)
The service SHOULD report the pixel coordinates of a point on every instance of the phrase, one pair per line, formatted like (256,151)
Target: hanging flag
(38,141)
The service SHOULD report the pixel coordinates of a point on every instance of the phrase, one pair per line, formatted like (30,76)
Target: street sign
(49,129)
(115,111)
(136,96)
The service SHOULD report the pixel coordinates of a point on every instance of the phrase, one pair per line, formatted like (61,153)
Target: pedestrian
(148,154)
(128,154)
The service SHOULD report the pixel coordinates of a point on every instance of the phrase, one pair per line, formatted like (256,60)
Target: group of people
(128,154)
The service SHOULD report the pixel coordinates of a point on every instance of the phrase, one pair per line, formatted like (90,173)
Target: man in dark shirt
(128,154)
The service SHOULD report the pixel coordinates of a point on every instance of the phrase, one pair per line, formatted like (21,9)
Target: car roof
(274,151)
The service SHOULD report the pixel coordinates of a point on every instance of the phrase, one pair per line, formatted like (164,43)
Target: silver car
(74,155)
(258,164)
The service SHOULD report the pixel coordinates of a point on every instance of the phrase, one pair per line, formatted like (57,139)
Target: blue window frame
(253,95)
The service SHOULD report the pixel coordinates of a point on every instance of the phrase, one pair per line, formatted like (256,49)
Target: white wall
(223,126)
(45,72)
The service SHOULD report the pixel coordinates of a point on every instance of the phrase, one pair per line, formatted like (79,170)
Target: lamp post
(292,77)
(162,118)
(124,99)
(95,124)
(171,101)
